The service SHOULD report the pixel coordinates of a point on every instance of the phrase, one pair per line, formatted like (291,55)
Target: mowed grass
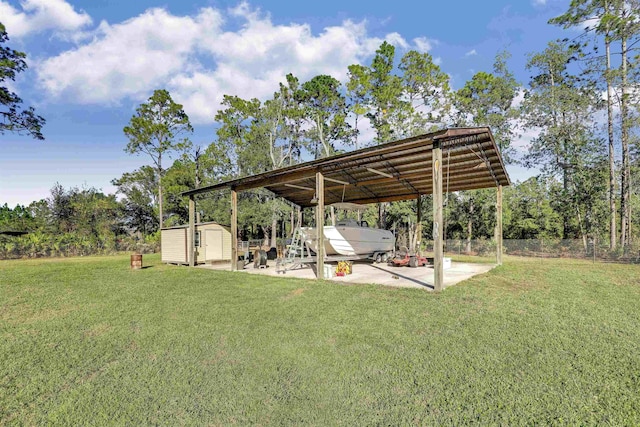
(88,341)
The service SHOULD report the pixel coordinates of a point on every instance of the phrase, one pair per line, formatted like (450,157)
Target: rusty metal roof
(395,170)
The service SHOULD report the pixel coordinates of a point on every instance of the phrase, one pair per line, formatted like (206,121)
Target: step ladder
(294,254)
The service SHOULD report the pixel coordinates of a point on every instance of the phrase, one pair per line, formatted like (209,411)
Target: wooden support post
(438,246)
(499,225)
(418,223)
(320,224)
(191,239)
(234,230)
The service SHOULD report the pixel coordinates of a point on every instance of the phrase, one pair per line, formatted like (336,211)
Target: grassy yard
(87,341)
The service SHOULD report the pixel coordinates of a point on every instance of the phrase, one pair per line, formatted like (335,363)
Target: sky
(92,62)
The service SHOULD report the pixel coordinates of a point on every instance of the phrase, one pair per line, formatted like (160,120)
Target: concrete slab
(380,274)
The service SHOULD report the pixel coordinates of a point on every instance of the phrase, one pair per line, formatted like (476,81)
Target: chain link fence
(39,245)
(543,248)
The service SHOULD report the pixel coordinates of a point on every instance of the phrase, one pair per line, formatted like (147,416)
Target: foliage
(529,213)
(488,100)
(378,93)
(154,130)
(88,341)
(13,118)
(72,222)
(139,191)
(426,88)
(561,106)
(326,109)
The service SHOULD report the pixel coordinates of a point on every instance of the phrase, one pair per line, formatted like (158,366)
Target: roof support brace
(320,225)
(438,246)
(418,238)
(499,225)
(191,239)
(234,230)
(385,174)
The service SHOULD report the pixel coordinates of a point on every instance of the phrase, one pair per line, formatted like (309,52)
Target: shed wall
(218,249)
(174,245)
(215,244)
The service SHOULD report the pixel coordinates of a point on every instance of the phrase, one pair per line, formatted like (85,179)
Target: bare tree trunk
(625,219)
(160,198)
(412,236)
(333,215)
(356,132)
(274,232)
(612,182)
(565,213)
(585,244)
(382,214)
(292,218)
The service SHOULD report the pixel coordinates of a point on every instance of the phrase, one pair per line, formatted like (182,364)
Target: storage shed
(212,243)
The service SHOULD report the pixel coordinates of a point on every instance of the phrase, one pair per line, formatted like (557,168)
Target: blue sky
(92,62)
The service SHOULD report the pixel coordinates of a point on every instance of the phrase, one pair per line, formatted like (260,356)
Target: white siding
(215,244)
(174,245)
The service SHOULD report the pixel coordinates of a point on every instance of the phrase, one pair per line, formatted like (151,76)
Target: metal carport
(459,158)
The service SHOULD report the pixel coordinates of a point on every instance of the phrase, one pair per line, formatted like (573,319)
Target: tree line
(580,103)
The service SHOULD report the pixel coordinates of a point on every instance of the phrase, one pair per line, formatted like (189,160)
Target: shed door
(213,249)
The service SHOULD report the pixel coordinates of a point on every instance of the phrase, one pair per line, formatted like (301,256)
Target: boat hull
(351,241)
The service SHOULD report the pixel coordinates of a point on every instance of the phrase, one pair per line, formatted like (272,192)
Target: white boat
(351,238)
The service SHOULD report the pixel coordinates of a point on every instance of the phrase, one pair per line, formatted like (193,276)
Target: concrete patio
(380,274)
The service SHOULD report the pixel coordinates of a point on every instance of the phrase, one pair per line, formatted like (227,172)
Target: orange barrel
(136,261)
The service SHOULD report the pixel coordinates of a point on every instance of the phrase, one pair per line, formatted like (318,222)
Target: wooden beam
(438,244)
(191,251)
(337,181)
(263,181)
(234,230)
(418,223)
(299,187)
(320,225)
(388,175)
(499,225)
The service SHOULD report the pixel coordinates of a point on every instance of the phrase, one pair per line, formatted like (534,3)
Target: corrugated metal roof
(395,170)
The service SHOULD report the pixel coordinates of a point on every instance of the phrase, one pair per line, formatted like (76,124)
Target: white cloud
(472,52)
(40,15)
(199,61)
(397,40)
(423,44)
(128,59)
(517,100)
(539,2)
(522,141)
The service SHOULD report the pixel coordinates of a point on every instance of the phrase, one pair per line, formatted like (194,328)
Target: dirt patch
(23,314)
(294,293)
(219,357)
(97,330)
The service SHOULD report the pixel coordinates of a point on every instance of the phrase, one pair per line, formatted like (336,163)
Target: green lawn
(88,341)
